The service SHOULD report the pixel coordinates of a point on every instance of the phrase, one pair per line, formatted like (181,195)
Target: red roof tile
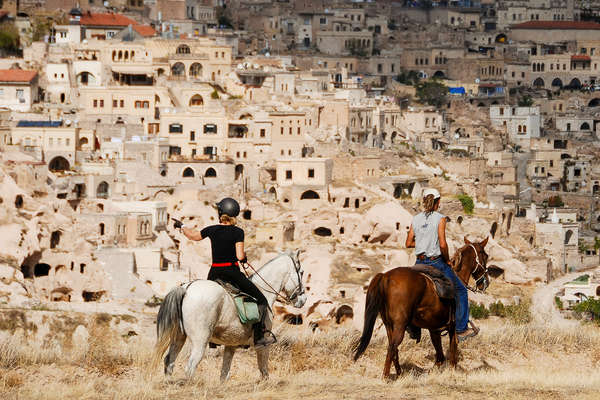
(557,25)
(109,19)
(144,30)
(17,75)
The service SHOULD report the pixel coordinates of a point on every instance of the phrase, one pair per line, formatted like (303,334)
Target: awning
(580,57)
(457,90)
(133,69)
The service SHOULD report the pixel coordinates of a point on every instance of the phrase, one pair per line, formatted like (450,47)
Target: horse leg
(227,357)
(453,348)
(198,348)
(436,340)
(395,337)
(171,356)
(262,356)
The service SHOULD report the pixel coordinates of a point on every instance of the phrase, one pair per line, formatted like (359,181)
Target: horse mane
(456,261)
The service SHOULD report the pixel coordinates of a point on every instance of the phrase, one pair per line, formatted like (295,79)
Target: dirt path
(543,308)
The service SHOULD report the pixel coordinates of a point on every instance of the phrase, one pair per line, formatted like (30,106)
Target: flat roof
(557,25)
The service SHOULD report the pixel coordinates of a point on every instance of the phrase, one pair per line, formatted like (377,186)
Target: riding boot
(260,329)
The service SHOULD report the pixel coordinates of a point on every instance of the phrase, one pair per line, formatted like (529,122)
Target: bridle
(482,278)
(284,297)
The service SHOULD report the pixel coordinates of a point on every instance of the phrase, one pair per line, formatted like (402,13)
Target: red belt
(227,264)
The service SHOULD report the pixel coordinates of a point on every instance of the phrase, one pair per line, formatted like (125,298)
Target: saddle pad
(443,286)
(244,303)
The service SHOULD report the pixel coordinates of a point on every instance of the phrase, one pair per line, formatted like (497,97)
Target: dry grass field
(505,361)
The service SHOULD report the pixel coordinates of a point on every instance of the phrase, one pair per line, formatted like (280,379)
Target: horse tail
(169,322)
(374,305)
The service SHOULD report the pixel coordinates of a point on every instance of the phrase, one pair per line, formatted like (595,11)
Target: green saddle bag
(247,309)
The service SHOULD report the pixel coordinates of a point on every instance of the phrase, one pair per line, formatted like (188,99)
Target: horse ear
(484,242)
(467,241)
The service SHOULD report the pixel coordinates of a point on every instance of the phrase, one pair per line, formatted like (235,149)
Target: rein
(483,276)
(278,296)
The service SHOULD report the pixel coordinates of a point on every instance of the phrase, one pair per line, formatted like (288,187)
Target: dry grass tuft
(504,361)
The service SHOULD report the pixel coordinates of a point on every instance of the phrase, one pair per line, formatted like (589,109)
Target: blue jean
(460,291)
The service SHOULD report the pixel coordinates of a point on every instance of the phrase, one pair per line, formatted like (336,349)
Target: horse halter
(482,278)
(298,291)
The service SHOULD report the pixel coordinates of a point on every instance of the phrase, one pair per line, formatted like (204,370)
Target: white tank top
(425,228)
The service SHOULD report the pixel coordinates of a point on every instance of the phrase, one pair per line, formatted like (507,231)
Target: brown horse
(403,296)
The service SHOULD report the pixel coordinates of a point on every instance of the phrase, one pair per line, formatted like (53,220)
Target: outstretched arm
(442,239)
(191,234)
(410,239)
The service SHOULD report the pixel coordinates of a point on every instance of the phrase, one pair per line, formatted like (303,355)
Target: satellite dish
(68,122)
(476,80)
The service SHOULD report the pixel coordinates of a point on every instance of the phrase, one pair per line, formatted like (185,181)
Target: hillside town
(326,120)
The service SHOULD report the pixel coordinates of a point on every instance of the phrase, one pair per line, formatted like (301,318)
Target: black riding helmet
(228,206)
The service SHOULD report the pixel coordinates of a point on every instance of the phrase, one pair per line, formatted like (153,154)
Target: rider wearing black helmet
(227,244)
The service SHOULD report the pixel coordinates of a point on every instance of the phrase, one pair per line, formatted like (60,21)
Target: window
(101,103)
(175,128)
(122,103)
(262,132)
(288,174)
(210,128)
(551,163)
(138,104)
(568,127)
(298,130)
(290,130)
(282,130)
(192,136)
(311,173)
(68,142)
(115,103)
(95,103)
(501,110)
(323,21)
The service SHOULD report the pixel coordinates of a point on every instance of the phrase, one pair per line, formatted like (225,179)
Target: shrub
(590,306)
(519,313)
(558,302)
(555,201)
(498,309)
(467,203)
(214,95)
(154,301)
(478,311)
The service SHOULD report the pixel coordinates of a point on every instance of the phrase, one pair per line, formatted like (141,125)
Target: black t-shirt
(222,241)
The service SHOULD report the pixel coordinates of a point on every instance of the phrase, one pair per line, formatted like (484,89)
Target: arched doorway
(594,102)
(439,74)
(178,69)
(309,195)
(210,173)
(196,100)
(196,70)
(58,164)
(539,83)
(102,190)
(557,83)
(86,78)
(188,173)
(575,84)
(584,127)
(239,171)
(41,270)
(83,142)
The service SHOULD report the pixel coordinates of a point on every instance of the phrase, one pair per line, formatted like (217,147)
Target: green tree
(467,203)
(432,92)
(223,18)
(525,101)
(591,306)
(408,77)
(9,38)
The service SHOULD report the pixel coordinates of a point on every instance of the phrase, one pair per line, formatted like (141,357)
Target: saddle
(443,287)
(244,303)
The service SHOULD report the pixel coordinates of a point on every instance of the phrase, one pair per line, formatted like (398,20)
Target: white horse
(203,311)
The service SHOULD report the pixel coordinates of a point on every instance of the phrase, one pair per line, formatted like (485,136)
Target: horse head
(471,260)
(293,287)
